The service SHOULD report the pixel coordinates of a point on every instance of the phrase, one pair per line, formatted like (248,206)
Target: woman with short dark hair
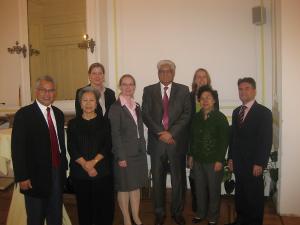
(89,146)
(209,135)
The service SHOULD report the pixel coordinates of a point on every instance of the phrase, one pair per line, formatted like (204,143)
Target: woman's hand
(92,172)
(123,163)
(218,166)
(89,165)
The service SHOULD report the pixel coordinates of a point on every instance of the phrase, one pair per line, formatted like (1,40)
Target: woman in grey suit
(129,148)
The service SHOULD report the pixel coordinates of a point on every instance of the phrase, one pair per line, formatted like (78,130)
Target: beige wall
(289,194)
(10,65)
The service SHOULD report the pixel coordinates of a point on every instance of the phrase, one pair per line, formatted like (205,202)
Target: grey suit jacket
(179,115)
(124,130)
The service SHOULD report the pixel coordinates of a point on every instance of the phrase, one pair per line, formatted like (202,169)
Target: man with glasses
(166,112)
(39,155)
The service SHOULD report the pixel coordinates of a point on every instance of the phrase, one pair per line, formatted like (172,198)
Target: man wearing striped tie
(249,149)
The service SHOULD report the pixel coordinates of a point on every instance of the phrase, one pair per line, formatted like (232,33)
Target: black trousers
(249,197)
(39,209)
(95,201)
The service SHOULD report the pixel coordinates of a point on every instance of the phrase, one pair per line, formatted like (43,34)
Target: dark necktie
(53,140)
(242,115)
(165,119)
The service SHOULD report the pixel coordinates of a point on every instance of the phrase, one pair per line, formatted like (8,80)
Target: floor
(227,211)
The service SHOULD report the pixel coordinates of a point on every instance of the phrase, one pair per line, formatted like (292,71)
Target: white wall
(289,194)
(216,35)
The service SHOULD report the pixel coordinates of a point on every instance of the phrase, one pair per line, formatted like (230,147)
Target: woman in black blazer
(96,75)
(89,146)
(200,79)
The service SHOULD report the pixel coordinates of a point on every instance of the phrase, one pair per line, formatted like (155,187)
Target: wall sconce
(33,51)
(87,43)
(18,49)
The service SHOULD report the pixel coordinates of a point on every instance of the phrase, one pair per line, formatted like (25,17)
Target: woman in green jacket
(209,142)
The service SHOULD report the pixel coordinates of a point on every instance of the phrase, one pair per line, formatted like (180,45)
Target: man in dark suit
(96,74)
(166,112)
(249,150)
(39,155)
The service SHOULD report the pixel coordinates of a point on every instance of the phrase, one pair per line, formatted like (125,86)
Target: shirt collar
(162,86)
(249,104)
(42,107)
(123,101)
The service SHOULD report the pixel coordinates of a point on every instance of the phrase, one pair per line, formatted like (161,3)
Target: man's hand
(218,166)
(257,170)
(230,165)
(123,163)
(25,185)
(166,137)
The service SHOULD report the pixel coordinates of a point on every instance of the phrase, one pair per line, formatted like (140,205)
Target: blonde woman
(129,149)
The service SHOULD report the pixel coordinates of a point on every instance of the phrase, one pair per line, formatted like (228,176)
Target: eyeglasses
(165,71)
(44,91)
(97,73)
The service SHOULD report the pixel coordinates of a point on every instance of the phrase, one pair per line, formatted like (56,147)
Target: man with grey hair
(39,155)
(166,112)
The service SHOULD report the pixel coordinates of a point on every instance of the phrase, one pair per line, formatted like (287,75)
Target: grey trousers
(160,164)
(208,190)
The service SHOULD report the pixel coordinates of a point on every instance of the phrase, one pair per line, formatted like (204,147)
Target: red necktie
(165,119)
(242,115)
(53,140)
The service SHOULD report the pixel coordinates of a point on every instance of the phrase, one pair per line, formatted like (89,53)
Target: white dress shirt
(163,90)
(44,111)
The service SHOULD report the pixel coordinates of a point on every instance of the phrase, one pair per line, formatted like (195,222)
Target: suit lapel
(40,116)
(158,97)
(59,123)
(172,100)
(127,112)
(249,114)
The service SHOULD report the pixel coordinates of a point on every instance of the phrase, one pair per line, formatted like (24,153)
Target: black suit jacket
(109,96)
(31,149)
(252,142)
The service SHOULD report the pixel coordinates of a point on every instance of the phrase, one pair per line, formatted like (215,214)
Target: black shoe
(179,219)
(233,223)
(159,220)
(196,220)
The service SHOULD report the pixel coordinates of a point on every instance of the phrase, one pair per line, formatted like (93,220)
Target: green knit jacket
(209,138)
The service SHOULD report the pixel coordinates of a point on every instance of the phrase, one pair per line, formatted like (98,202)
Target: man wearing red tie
(39,155)
(248,155)
(166,112)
